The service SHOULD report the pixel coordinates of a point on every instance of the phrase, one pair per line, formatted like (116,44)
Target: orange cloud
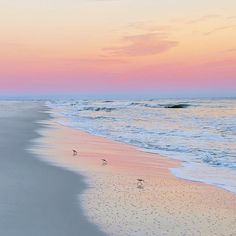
(220,29)
(143,45)
(203,18)
(149,26)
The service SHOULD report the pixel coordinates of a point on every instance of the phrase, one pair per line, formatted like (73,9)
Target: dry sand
(36,199)
(165,205)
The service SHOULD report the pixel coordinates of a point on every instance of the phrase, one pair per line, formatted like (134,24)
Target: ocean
(199,132)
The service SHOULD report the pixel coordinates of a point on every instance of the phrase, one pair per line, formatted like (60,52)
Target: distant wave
(176,106)
(152,106)
(135,104)
(100,118)
(107,101)
(173,106)
(107,109)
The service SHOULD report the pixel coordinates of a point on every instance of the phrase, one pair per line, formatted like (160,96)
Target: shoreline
(171,206)
(207,154)
(36,198)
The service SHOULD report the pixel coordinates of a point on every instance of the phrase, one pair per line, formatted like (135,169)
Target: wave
(171,106)
(176,106)
(108,101)
(152,106)
(100,118)
(107,109)
(135,104)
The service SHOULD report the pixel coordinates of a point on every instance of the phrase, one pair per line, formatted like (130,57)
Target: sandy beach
(35,198)
(118,118)
(163,205)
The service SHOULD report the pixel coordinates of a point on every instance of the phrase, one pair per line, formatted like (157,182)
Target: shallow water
(200,132)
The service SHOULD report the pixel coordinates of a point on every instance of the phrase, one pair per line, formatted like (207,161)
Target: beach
(114,200)
(36,198)
(118,118)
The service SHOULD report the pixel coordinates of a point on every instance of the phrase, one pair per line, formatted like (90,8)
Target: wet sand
(36,199)
(164,205)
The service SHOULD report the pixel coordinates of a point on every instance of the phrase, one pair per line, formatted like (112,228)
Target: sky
(118,47)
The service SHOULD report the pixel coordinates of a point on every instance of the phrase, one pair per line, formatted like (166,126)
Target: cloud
(231,17)
(99,61)
(203,18)
(143,45)
(220,29)
(231,50)
(148,27)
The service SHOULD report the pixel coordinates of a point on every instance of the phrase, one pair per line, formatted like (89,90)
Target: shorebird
(104,162)
(75,152)
(140,183)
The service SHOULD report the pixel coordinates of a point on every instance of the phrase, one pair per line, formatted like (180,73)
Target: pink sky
(95,47)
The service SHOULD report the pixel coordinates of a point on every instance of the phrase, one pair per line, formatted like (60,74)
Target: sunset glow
(105,46)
